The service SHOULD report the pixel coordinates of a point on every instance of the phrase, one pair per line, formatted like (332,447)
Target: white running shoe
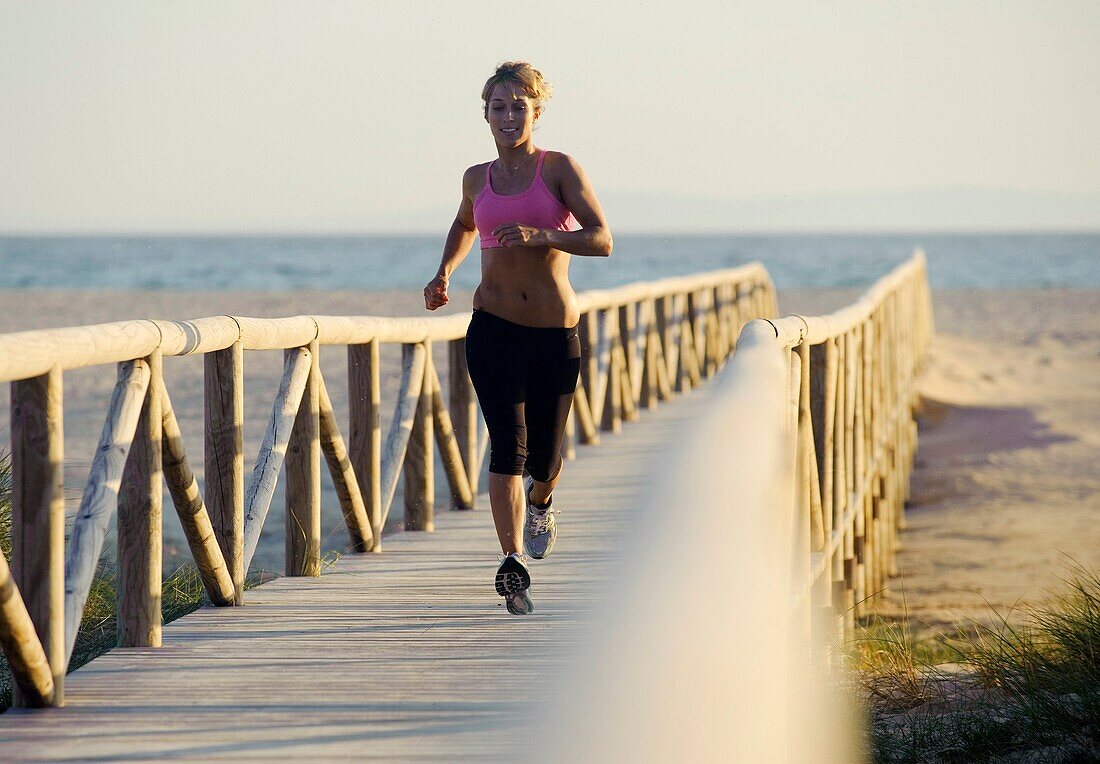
(540,529)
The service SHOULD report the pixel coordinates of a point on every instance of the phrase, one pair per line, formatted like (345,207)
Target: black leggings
(524,377)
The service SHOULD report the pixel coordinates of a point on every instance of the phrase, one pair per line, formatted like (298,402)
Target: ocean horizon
(216,262)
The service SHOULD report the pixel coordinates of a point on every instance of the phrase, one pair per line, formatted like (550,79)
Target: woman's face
(511,115)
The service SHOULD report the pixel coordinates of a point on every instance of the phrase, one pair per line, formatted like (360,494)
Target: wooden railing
(851,382)
(792,487)
(642,343)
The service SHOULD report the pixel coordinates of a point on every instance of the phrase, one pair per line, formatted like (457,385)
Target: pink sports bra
(536,206)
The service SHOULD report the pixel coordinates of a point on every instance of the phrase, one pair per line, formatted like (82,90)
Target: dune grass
(1023,689)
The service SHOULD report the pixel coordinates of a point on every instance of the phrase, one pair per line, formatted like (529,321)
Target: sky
(341,117)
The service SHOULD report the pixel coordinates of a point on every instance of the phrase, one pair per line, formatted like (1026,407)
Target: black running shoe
(512,582)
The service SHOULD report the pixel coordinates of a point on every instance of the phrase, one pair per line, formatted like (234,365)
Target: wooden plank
(38,521)
(140,508)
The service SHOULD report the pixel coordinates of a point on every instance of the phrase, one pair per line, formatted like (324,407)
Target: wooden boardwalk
(404,655)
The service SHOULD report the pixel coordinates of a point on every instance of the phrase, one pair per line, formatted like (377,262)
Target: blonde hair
(527,77)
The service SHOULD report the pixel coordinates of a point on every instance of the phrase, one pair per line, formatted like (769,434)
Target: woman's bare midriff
(528,286)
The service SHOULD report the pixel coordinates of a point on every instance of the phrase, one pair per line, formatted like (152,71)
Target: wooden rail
(851,383)
(641,343)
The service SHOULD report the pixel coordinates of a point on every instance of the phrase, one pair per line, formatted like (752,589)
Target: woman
(534,209)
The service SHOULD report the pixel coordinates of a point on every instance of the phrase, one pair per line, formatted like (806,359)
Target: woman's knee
(507,458)
(545,468)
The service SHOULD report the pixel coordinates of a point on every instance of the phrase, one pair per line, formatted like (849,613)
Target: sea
(384,262)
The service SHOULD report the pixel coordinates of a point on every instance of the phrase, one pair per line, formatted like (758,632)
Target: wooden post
(463,406)
(808,465)
(590,364)
(612,403)
(140,509)
(851,407)
(667,325)
(651,359)
(628,331)
(846,557)
(688,375)
(303,479)
(698,320)
(722,316)
(590,435)
(223,401)
(630,409)
(365,439)
(822,410)
(419,461)
(569,440)
(736,314)
(38,520)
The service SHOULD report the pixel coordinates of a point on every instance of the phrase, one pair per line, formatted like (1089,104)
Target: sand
(1005,491)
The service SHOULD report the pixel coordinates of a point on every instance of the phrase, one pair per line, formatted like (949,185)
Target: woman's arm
(594,238)
(459,240)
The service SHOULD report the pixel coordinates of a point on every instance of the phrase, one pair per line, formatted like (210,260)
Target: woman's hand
(517,235)
(435,294)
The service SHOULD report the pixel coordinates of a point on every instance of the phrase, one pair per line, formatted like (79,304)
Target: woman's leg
(495,359)
(506,499)
(551,382)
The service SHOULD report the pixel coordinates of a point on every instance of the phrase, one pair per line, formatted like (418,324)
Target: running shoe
(540,529)
(512,582)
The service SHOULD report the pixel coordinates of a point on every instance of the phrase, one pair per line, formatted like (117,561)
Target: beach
(1005,490)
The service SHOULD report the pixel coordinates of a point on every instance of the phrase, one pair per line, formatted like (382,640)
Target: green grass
(1025,689)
